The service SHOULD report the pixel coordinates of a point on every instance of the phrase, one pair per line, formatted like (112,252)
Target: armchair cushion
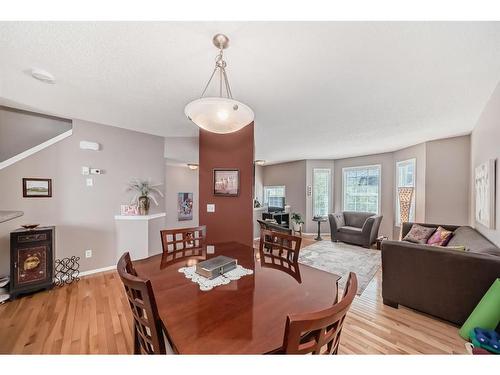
(348,229)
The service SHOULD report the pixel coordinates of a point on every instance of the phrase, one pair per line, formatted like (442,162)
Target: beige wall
(485,145)
(447,176)
(83,216)
(293,176)
(180,179)
(386,161)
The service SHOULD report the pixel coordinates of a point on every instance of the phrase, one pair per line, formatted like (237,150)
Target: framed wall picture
(37,187)
(184,206)
(227,182)
(484,190)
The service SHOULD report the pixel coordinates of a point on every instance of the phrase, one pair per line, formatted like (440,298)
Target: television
(276,204)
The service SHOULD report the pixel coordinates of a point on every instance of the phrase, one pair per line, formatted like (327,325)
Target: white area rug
(340,258)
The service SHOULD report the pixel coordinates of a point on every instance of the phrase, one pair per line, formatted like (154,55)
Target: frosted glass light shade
(219,115)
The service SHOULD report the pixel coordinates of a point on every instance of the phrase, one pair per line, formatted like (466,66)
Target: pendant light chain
(220,65)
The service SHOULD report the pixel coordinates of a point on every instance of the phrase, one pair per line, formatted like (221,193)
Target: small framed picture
(184,206)
(129,210)
(37,187)
(227,182)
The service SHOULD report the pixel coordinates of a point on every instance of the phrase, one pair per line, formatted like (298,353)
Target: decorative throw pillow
(440,237)
(419,234)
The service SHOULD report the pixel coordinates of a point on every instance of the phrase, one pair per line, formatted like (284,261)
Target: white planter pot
(296,227)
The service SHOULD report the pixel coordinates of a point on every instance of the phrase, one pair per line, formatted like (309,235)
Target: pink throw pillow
(440,237)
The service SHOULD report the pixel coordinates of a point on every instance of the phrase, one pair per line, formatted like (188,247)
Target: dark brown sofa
(359,228)
(445,283)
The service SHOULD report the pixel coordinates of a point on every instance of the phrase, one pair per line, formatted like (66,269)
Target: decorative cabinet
(31,260)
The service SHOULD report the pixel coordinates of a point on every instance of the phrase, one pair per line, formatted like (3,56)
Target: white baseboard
(91,272)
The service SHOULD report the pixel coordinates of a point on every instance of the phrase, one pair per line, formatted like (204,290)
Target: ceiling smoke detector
(42,75)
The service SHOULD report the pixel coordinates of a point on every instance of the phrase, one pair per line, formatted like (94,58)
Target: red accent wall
(233,216)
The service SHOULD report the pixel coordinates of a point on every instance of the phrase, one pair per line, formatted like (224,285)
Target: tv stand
(282,218)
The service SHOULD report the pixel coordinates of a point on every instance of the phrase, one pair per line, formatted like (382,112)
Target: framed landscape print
(227,182)
(484,190)
(184,206)
(37,187)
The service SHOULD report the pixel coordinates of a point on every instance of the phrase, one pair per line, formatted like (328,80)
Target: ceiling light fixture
(192,166)
(260,162)
(42,75)
(219,114)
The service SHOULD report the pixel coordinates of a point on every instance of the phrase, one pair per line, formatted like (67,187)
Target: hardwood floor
(92,316)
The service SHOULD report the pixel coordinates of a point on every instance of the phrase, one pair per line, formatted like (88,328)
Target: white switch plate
(85,171)
(90,182)
(210,207)
(88,253)
(210,249)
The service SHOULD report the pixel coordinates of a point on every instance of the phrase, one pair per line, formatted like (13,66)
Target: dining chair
(269,260)
(149,333)
(280,244)
(319,332)
(185,240)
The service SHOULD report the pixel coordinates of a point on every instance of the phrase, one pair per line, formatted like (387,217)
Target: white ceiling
(318,89)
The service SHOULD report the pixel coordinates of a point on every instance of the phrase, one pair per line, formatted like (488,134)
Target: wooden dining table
(246,316)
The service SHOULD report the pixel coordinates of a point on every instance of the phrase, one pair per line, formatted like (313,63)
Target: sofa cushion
(440,237)
(419,234)
(350,230)
(473,241)
(356,219)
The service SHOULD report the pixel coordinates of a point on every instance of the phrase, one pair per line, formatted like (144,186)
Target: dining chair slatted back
(148,332)
(184,240)
(319,332)
(269,260)
(280,244)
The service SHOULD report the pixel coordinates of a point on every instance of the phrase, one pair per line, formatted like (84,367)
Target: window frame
(264,203)
(379,195)
(397,222)
(329,192)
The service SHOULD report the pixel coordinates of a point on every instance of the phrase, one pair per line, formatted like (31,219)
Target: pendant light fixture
(221,114)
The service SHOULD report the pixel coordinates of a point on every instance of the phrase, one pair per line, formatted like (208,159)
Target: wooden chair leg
(137,344)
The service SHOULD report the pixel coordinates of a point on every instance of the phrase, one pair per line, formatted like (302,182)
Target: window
(273,195)
(321,191)
(361,188)
(405,177)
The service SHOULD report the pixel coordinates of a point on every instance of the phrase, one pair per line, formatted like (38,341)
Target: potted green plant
(144,193)
(297,222)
